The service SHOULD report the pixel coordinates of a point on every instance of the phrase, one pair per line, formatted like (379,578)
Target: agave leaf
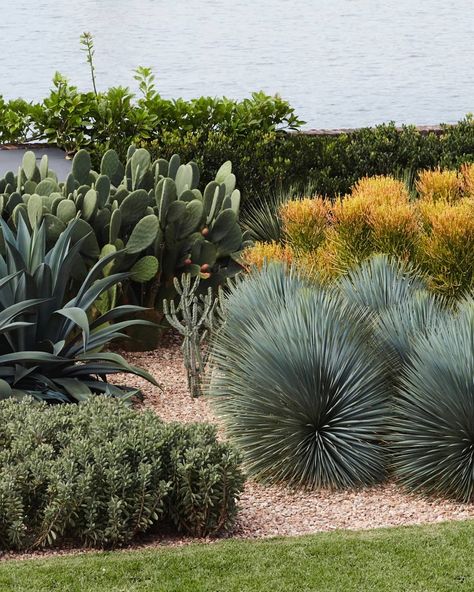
(118,361)
(101,337)
(34,357)
(119,311)
(78,317)
(21,372)
(95,273)
(76,388)
(5,389)
(86,299)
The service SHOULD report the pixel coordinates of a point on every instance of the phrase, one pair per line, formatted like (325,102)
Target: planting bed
(276,510)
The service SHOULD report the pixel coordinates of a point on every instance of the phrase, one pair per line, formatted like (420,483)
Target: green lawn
(429,558)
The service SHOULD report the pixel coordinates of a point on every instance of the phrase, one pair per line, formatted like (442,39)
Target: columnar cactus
(196,317)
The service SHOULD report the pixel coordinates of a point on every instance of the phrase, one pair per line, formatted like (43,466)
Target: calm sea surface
(339,62)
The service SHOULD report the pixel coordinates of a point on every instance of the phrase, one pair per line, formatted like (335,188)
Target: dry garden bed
(278,510)
(339,377)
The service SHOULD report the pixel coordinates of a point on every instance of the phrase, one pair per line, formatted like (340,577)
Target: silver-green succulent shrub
(433,429)
(50,349)
(401,307)
(101,474)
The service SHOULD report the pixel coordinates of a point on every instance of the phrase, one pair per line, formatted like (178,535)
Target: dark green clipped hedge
(329,165)
(100,474)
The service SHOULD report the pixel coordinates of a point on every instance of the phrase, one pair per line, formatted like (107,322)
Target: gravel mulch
(275,510)
(266,511)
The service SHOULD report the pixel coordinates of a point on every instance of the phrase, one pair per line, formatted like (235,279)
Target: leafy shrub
(73,119)
(433,436)
(456,144)
(210,131)
(298,384)
(272,161)
(205,480)
(49,349)
(16,121)
(100,474)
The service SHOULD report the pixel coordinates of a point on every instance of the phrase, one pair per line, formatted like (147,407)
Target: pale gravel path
(273,511)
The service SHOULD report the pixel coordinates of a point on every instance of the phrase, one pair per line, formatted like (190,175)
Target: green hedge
(100,474)
(330,165)
(256,134)
(74,119)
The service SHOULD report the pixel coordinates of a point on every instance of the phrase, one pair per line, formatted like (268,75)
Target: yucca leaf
(380,282)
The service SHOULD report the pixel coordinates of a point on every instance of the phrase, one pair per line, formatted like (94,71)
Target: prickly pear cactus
(153,212)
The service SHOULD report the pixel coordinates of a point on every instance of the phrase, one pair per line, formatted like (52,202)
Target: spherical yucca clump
(401,306)
(380,282)
(298,384)
(434,425)
(399,327)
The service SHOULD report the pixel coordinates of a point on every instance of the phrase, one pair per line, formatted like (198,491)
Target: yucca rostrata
(433,434)
(300,388)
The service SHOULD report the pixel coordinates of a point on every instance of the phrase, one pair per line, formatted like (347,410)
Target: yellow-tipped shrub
(434,233)
(467,176)
(305,222)
(439,185)
(262,253)
(376,217)
(447,245)
(395,229)
(381,189)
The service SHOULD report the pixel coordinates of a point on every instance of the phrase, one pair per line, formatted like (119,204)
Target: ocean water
(341,63)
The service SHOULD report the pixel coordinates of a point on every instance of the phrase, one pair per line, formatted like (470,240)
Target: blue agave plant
(49,349)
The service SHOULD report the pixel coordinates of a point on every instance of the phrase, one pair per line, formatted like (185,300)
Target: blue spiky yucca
(434,424)
(299,384)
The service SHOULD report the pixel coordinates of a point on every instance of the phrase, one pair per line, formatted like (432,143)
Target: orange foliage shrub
(439,185)
(305,222)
